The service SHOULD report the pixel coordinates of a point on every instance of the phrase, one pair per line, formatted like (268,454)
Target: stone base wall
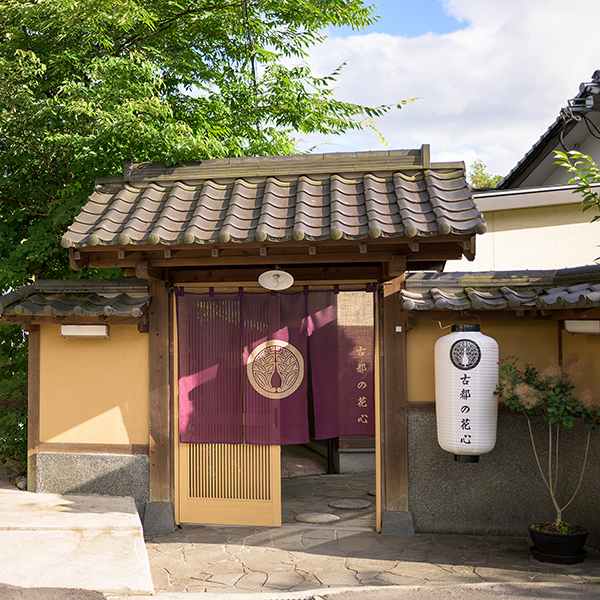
(503,493)
(103,474)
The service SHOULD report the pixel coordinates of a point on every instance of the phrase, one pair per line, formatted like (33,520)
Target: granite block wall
(503,493)
(103,474)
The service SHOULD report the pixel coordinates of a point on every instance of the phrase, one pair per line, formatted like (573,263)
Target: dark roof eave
(574,288)
(96,298)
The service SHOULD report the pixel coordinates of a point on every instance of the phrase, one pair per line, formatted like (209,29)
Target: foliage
(550,394)
(586,173)
(13,439)
(13,365)
(87,85)
(480,178)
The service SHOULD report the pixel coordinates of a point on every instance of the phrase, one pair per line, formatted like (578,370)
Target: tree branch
(161,28)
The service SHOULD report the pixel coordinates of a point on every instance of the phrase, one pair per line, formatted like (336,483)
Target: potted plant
(550,394)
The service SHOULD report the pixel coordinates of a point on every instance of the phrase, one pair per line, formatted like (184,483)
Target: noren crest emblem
(275,369)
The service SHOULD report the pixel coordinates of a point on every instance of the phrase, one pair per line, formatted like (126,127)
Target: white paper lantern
(466,375)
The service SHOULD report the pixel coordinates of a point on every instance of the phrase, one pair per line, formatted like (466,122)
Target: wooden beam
(106,260)
(33,405)
(511,314)
(160,394)
(577,313)
(397,266)
(78,259)
(393,286)
(454,252)
(370,273)
(394,406)
(145,270)
(225,260)
(27,320)
(290,252)
(72,448)
(468,247)
(486,315)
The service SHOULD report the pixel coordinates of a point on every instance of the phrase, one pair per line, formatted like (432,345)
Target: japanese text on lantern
(465,409)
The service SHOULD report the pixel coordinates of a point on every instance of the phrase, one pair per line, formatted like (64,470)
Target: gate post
(159,516)
(396,516)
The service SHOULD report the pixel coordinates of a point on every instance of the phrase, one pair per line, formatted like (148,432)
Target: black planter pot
(565,548)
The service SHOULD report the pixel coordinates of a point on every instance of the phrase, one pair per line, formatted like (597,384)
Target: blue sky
(410,18)
(490,75)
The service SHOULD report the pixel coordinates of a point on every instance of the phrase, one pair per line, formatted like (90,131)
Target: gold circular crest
(275,369)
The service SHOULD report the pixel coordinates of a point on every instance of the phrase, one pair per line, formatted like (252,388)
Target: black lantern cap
(467,458)
(462,327)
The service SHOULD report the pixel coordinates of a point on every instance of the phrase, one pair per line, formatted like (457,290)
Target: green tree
(585,174)
(87,84)
(480,178)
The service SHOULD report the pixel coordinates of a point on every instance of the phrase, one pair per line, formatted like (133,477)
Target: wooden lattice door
(230,484)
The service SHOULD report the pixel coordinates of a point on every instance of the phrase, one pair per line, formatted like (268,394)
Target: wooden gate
(230,484)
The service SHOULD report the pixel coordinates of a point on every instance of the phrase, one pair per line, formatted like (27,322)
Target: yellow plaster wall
(533,342)
(94,391)
(587,347)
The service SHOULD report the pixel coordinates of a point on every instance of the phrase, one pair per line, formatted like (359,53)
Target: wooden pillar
(33,404)
(160,439)
(394,405)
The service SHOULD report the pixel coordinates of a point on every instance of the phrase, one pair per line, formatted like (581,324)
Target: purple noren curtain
(342,347)
(275,362)
(210,369)
(243,366)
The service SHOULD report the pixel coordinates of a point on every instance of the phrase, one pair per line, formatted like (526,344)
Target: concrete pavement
(50,545)
(54,541)
(483,591)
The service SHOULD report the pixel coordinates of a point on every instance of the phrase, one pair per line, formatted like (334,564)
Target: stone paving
(349,553)
(324,493)
(252,559)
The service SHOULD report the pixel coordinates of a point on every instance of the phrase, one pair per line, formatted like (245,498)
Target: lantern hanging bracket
(462,314)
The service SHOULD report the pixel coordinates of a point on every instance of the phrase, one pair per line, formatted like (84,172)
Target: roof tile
(495,291)
(174,205)
(92,298)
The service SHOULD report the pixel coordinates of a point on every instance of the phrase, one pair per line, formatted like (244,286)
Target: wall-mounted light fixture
(583,326)
(276,280)
(84,331)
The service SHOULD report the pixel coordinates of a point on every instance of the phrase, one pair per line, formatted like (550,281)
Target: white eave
(528,197)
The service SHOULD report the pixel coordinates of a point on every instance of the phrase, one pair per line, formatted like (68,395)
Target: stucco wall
(534,342)
(587,348)
(94,391)
(550,237)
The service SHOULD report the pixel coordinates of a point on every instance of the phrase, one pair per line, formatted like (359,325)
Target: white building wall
(544,237)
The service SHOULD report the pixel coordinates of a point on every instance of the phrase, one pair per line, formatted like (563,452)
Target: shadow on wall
(101,474)
(504,493)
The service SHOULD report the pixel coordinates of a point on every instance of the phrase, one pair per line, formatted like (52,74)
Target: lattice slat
(229,471)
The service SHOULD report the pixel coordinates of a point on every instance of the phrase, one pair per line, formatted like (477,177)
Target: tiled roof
(92,298)
(565,288)
(310,197)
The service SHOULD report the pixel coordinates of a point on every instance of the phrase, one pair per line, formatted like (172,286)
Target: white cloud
(486,91)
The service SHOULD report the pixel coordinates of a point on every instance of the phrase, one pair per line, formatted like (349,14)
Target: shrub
(13,439)
(551,394)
